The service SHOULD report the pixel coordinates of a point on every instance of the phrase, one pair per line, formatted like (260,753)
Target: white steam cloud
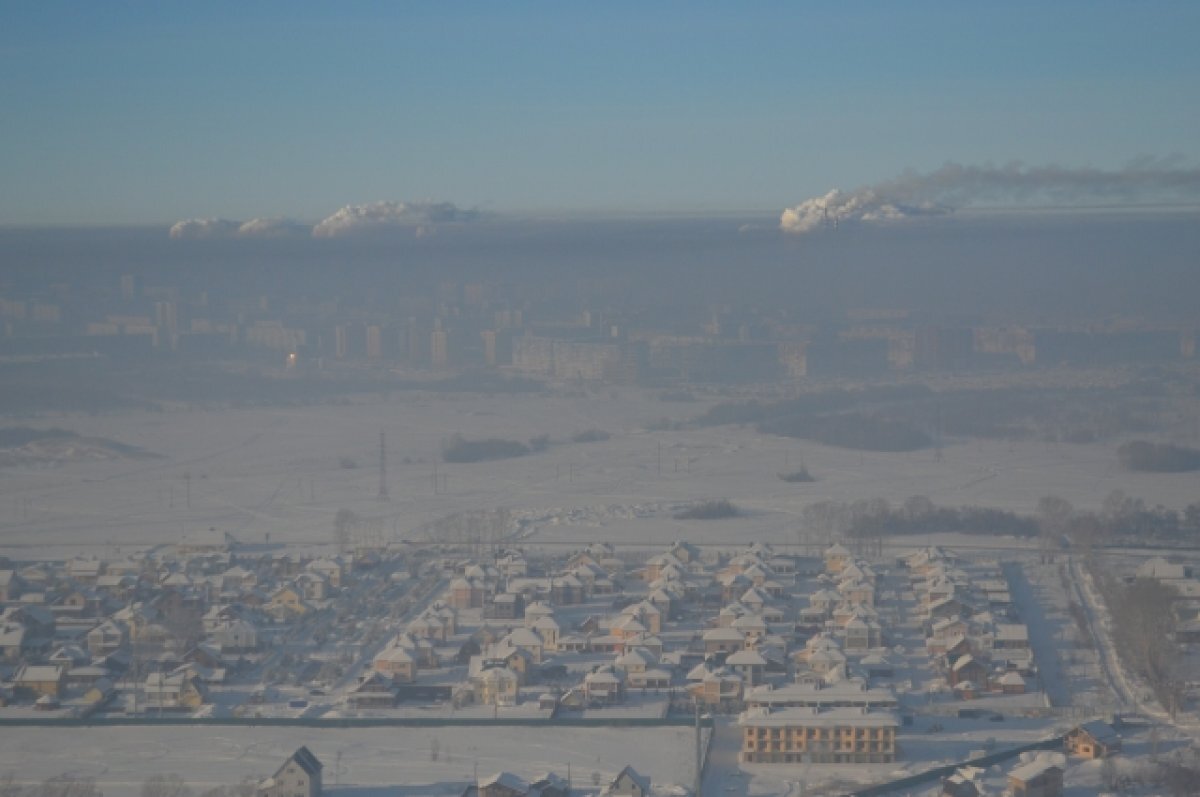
(380,217)
(417,218)
(271,228)
(197,229)
(192,229)
(1148,180)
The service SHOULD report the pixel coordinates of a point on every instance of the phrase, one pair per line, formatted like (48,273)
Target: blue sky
(150,112)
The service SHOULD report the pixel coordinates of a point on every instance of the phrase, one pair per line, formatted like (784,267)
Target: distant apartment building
(375,349)
(274,335)
(793,359)
(943,348)
(439,346)
(587,360)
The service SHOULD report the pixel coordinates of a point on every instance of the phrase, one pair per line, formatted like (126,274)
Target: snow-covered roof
(811,717)
(746,658)
(506,779)
(1037,766)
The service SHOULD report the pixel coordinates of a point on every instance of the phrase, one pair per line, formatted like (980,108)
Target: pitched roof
(1100,731)
(305,759)
(505,779)
(642,781)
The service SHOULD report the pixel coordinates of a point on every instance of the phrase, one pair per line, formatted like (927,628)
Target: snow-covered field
(259,472)
(399,758)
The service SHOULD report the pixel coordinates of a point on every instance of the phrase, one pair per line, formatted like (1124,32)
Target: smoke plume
(953,186)
(271,228)
(192,229)
(196,229)
(382,217)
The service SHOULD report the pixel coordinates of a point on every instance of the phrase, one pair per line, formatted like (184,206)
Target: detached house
(299,776)
(1041,776)
(44,680)
(628,783)
(287,603)
(1093,740)
(396,663)
(235,636)
(181,690)
(106,638)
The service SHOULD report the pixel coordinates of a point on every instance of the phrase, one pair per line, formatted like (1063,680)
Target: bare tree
(9,786)
(1054,514)
(917,507)
(165,786)
(344,523)
(184,624)
(67,786)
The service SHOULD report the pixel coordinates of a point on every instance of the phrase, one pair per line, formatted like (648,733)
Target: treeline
(1140,455)
(843,418)
(901,418)
(1142,626)
(1123,519)
(1126,519)
(460,449)
(852,430)
(917,515)
(801,476)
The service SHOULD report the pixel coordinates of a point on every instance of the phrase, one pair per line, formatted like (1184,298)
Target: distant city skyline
(150,114)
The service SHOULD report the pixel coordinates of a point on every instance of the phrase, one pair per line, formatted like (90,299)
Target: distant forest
(460,449)
(912,417)
(1140,455)
(1123,520)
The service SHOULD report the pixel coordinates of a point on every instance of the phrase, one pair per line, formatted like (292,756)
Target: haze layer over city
(549,401)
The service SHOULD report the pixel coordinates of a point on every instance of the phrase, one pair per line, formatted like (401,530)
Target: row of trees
(1142,626)
(1080,415)
(917,515)
(1139,455)
(1122,518)
(460,449)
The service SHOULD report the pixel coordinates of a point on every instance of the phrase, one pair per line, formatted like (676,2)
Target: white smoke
(271,228)
(837,206)
(197,229)
(379,217)
(193,229)
(1148,180)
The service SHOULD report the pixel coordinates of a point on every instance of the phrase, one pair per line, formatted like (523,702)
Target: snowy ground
(259,472)
(398,758)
